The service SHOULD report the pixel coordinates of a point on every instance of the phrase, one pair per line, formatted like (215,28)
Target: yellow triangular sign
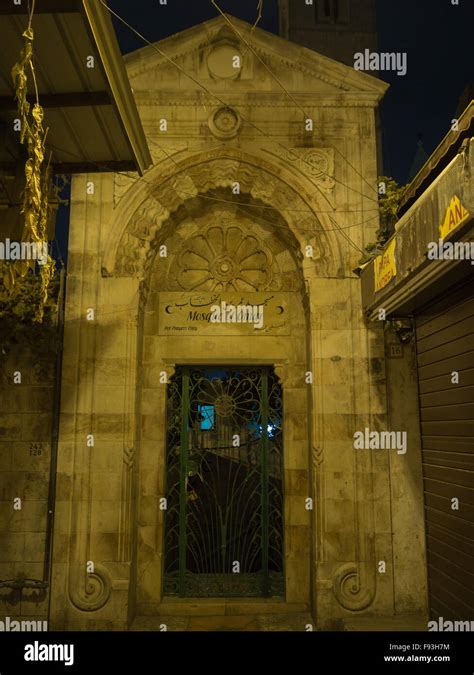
(455,216)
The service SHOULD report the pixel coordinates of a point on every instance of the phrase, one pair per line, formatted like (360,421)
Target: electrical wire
(222,102)
(235,202)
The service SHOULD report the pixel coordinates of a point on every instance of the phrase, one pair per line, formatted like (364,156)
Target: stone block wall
(26,424)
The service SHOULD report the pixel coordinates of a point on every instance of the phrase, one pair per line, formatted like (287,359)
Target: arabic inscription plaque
(264,313)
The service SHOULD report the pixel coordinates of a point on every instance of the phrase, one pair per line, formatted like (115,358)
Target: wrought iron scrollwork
(224,525)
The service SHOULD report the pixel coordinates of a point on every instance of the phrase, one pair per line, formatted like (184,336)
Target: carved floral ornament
(225,258)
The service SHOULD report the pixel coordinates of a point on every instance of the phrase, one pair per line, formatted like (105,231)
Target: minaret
(335,28)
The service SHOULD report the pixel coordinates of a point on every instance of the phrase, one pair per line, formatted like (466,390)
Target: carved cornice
(311,103)
(306,68)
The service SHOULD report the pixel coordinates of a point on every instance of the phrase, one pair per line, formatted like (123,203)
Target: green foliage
(18,315)
(390,195)
(389,202)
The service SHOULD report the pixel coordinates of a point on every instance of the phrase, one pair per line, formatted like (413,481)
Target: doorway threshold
(293,622)
(220,607)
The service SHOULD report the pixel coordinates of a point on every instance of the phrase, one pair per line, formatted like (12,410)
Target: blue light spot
(208,415)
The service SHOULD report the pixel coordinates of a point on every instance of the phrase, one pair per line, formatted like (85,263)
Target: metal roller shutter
(445,344)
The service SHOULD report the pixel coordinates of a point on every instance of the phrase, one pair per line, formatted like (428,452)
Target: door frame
(298,525)
(264,393)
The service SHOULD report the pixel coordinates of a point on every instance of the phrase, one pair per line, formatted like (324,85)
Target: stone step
(223,607)
(219,623)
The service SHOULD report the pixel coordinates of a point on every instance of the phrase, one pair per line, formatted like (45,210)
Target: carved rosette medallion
(222,259)
(225,123)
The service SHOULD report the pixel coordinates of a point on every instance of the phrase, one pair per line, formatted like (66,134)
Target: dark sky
(436,35)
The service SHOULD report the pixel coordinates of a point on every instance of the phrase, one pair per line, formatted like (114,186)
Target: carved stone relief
(225,123)
(95,590)
(225,258)
(351,593)
(315,163)
(128,258)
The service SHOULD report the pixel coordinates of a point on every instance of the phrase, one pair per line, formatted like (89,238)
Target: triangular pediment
(206,52)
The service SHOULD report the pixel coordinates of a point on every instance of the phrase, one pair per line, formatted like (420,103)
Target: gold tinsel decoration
(35,199)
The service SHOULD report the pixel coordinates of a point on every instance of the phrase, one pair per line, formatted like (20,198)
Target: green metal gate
(224,517)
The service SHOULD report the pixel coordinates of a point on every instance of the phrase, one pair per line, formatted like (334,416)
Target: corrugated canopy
(91,114)
(439,159)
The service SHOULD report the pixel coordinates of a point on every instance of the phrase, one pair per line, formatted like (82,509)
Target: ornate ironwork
(224,524)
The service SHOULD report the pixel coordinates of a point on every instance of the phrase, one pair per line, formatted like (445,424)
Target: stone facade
(233,158)
(27,423)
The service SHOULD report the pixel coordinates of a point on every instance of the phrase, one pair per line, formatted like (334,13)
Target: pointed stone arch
(284,197)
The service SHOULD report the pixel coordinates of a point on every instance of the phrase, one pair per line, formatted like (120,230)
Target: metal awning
(414,278)
(92,119)
(439,159)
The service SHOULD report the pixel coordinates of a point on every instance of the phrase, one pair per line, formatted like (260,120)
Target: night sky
(436,35)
